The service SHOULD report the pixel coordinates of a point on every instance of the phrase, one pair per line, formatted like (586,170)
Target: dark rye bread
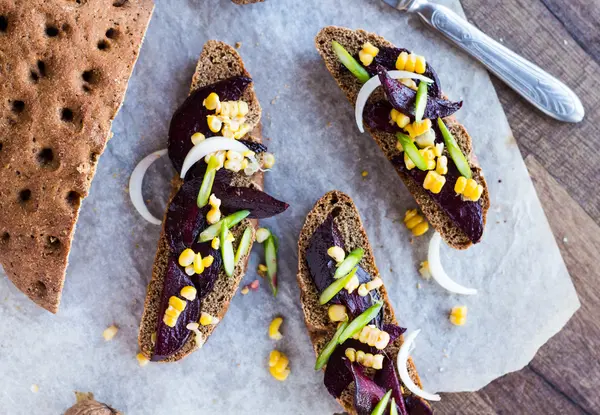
(353,40)
(64,68)
(218,61)
(320,329)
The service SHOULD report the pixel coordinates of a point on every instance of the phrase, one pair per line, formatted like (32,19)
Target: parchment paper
(525,296)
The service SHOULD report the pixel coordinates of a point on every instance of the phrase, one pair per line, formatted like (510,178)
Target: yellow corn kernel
(214,123)
(192,326)
(207,261)
(411,213)
(420,64)
(438,149)
(206,319)
(233,165)
(434,182)
(410,63)
(142,359)
(418,127)
(214,201)
(401,61)
(337,312)
(442,165)
(352,284)
(186,257)
(372,337)
(377,362)
(350,354)
(420,229)
(363,291)
(400,119)
(281,364)
(424,270)
(245,290)
(229,237)
(280,376)
(243,108)
(244,129)
(374,284)
(337,253)
(274,332)
(471,191)
(413,221)
(197,138)
(227,132)
(427,154)
(427,139)
(262,268)
(198,265)
(274,357)
(244,164)
(110,333)
(249,153)
(477,193)
(368,360)
(409,83)
(383,339)
(370,49)
(394,114)
(234,155)
(458,315)
(189,270)
(470,187)
(177,303)
(212,102)
(360,356)
(365,58)
(268,160)
(363,336)
(213,216)
(215,243)
(172,312)
(188,292)
(169,321)
(460,185)
(408,162)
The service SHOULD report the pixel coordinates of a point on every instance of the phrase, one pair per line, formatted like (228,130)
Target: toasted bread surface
(218,61)
(353,40)
(320,329)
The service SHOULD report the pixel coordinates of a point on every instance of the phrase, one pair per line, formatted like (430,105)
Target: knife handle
(534,84)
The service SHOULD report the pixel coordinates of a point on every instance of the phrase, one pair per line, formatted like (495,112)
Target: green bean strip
(328,350)
(230,221)
(349,262)
(411,150)
(335,287)
(359,322)
(350,63)
(454,150)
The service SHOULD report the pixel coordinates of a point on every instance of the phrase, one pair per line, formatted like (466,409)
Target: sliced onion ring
(437,271)
(372,84)
(135,185)
(209,146)
(402,361)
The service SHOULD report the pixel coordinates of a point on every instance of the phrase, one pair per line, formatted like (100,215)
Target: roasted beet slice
(417,406)
(387,378)
(260,204)
(403,98)
(190,117)
(376,116)
(393,330)
(337,374)
(170,339)
(367,393)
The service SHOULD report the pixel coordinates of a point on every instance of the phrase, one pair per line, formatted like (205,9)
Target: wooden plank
(463,404)
(529,28)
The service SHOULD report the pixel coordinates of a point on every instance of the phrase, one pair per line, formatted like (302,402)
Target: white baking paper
(525,293)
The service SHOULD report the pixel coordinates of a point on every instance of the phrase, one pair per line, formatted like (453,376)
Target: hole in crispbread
(39,289)
(1,145)
(3,23)
(74,198)
(112,33)
(336,212)
(5,238)
(25,195)
(91,76)
(52,242)
(41,68)
(103,45)
(51,31)
(120,3)
(18,106)
(333,200)
(46,159)
(34,76)
(66,114)
(93,157)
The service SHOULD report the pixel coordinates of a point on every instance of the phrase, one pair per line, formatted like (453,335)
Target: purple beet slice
(387,378)
(367,393)
(259,203)
(417,406)
(190,117)
(170,339)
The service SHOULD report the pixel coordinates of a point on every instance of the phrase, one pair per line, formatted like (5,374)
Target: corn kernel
(370,49)
(274,332)
(350,354)
(377,362)
(363,335)
(206,319)
(460,185)
(420,229)
(458,315)
(438,149)
(245,163)
(243,108)
(360,356)
(192,326)
(189,270)
(410,63)
(207,261)
(142,359)
(169,321)
(262,234)
(420,64)
(401,61)
(212,102)
(364,173)
(214,123)
(383,339)
(262,268)
(408,162)
(268,160)
(110,333)
(368,360)
(198,138)
(188,292)
(337,312)
(363,291)
(365,58)
(442,165)
(427,139)
(414,221)
(411,213)
(424,270)
(470,187)
(229,237)
(409,83)
(234,155)
(372,337)
(227,132)
(172,312)
(198,265)
(215,243)
(434,182)
(352,284)
(337,253)
(186,257)
(281,364)
(244,129)
(245,290)
(374,284)
(233,165)
(280,376)
(477,193)
(418,127)
(177,303)
(400,119)
(213,216)
(274,357)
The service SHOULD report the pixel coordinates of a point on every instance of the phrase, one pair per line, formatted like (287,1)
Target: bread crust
(218,61)
(353,40)
(320,329)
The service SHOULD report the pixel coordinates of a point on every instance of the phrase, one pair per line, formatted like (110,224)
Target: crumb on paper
(418,285)
(365,173)
(441,369)
(35,388)
(565,42)
(329,124)
(274,100)
(565,239)
(238,45)
(110,333)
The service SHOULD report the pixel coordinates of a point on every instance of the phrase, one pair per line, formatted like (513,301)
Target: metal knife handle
(535,85)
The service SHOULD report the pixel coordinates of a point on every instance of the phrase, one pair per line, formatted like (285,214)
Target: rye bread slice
(353,40)
(65,67)
(320,329)
(218,61)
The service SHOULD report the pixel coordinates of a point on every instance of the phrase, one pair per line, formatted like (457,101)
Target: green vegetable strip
(350,63)
(393,408)
(271,260)
(230,221)
(243,246)
(335,287)
(328,350)
(349,262)
(382,405)
(359,322)
(207,181)
(227,251)
(411,151)
(421,101)
(454,150)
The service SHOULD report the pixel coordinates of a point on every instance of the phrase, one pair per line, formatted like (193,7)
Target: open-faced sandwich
(412,122)
(349,318)
(209,226)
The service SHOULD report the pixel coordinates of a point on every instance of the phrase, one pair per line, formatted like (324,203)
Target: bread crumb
(329,124)
(565,240)
(238,45)
(419,285)
(35,388)
(110,333)
(365,173)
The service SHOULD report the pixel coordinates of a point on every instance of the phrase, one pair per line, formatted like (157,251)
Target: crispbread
(65,67)
(218,61)
(320,328)
(353,40)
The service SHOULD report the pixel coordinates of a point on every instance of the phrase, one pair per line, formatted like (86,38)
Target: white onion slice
(135,185)
(209,146)
(402,361)
(437,271)
(372,84)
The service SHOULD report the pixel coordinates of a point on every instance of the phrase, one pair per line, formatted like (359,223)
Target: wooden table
(563,37)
